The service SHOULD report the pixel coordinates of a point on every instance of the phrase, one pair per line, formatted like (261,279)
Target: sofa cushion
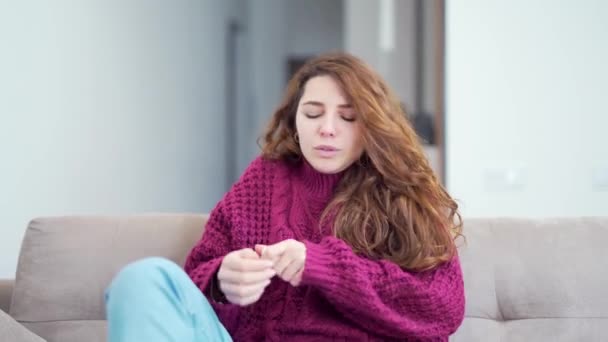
(11,330)
(537,329)
(66,263)
(534,279)
(71,331)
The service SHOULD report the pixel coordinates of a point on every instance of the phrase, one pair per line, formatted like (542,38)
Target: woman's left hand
(289,258)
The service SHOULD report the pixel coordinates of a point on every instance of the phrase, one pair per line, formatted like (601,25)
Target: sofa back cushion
(66,263)
(535,279)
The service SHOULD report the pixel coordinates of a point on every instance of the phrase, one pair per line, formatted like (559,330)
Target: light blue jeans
(154,300)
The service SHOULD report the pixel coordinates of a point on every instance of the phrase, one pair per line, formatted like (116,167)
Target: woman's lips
(326,151)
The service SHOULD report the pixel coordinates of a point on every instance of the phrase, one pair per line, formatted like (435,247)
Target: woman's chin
(327,165)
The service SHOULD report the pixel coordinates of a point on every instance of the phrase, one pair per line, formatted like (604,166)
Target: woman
(339,230)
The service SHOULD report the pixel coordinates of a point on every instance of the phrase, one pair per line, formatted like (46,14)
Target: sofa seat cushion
(537,329)
(534,279)
(71,331)
(11,330)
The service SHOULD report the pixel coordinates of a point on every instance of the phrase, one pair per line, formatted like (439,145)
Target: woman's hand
(243,276)
(288,256)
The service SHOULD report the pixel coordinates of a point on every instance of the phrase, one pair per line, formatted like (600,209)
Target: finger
(237,290)
(297,278)
(276,250)
(244,301)
(259,249)
(245,278)
(282,264)
(248,253)
(291,270)
(249,265)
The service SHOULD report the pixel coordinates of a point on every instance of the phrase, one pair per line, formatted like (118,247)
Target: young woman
(338,231)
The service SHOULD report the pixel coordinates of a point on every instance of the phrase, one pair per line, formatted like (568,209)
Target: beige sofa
(526,280)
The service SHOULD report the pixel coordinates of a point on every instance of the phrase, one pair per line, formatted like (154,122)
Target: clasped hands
(245,273)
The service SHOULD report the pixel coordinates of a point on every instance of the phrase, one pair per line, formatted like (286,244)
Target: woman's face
(328,129)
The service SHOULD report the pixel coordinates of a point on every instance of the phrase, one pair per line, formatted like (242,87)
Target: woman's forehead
(324,90)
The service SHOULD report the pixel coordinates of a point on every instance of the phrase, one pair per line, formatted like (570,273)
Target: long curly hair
(389,204)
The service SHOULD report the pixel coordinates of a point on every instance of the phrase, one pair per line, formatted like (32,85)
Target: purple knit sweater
(343,296)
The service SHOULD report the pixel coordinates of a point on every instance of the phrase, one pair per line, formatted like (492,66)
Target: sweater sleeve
(205,258)
(383,298)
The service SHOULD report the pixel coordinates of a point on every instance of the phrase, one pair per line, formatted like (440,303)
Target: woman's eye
(312,115)
(349,119)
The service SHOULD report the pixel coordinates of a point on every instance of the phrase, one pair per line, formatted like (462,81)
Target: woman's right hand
(243,276)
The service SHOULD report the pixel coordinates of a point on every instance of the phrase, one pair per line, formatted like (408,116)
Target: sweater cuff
(203,275)
(318,267)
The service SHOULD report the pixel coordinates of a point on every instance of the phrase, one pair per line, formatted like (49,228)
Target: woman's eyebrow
(313,103)
(317,103)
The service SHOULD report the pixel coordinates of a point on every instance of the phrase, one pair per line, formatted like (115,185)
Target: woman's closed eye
(348,118)
(313,115)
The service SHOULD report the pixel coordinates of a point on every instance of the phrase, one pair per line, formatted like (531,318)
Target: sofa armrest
(6,293)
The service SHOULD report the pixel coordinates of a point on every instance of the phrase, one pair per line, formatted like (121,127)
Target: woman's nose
(328,126)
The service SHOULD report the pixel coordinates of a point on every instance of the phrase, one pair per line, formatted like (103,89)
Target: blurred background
(122,107)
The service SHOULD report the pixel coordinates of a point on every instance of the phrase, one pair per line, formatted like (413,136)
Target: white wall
(526,112)
(108,107)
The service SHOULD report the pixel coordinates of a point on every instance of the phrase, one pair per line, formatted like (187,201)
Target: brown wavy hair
(389,204)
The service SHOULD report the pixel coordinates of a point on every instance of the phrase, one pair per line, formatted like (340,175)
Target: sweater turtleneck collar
(317,184)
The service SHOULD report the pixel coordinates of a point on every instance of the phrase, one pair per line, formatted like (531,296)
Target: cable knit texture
(343,296)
